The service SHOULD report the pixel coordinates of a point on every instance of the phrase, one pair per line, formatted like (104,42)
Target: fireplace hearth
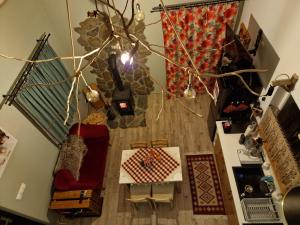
(123,101)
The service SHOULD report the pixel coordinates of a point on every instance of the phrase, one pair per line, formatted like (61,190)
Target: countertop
(230,145)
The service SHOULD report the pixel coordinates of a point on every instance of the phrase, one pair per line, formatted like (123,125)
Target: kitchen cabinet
(226,190)
(226,148)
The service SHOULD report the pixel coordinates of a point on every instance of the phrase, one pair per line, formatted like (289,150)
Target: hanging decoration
(189,92)
(140,15)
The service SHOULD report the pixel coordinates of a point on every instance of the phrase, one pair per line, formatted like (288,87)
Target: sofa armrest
(90,131)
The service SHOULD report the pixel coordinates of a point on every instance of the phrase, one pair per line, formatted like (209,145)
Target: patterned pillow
(96,118)
(71,155)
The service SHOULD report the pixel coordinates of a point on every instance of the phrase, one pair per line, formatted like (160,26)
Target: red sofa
(96,138)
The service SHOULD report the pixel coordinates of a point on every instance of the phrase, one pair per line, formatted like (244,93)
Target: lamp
(92,95)
(287,84)
(189,92)
(125,58)
(140,15)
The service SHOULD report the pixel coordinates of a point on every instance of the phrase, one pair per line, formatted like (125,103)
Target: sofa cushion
(93,166)
(71,154)
(95,118)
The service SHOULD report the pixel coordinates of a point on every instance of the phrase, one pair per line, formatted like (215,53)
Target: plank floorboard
(181,128)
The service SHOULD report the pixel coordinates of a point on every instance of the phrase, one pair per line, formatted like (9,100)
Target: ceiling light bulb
(140,15)
(189,92)
(125,57)
(92,95)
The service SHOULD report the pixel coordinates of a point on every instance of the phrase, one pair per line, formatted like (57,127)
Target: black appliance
(291,206)
(122,98)
(250,176)
(234,99)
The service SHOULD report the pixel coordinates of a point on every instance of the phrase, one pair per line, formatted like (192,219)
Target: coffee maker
(252,153)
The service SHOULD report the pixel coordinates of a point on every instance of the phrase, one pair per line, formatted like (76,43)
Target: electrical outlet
(21,191)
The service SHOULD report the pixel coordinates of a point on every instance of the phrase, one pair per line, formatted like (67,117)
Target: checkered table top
(158,173)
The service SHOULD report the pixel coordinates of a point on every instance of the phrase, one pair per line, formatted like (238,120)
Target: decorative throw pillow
(71,155)
(96,118)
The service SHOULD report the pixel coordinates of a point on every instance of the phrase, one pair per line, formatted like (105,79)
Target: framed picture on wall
(7,145)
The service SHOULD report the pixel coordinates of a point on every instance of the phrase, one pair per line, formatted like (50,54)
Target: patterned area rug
(205,187)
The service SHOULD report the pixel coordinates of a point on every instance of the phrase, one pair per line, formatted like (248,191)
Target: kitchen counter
(230,145)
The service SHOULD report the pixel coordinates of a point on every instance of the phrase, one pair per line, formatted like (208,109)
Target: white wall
(32,162)
(279,20)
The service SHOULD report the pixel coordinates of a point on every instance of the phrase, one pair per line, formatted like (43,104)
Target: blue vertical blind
(46,105)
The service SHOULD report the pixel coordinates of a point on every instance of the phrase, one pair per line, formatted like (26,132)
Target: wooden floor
(182,129)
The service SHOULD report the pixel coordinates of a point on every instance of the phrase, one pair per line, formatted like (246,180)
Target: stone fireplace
(93,32)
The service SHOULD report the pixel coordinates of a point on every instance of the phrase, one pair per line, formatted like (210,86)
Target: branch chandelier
(127,56)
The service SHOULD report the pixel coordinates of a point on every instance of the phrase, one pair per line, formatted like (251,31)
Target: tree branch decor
(117,30)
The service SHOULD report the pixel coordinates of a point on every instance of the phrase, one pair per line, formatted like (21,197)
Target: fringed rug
(205,187)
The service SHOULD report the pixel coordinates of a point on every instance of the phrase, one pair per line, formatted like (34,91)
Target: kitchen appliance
(248,189)
(253,146)
(259,209)
(247,159)
(248,181)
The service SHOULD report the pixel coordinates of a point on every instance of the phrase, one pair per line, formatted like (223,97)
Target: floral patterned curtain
(202,30)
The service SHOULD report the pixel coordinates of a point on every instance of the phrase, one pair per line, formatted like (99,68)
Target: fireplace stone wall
(93,32)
